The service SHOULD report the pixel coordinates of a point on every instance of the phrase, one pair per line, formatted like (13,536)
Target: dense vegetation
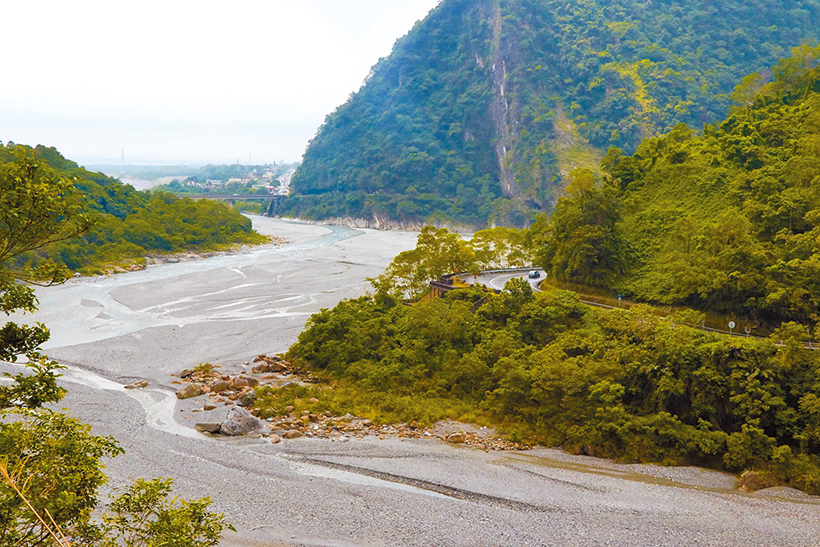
(484,106)
(125,225)
(50,464)
(549,369)
(726,221)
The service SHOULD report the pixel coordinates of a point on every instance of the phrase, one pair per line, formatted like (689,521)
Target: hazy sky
(179,81)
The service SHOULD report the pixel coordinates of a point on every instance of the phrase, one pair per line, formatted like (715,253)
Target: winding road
(497,280)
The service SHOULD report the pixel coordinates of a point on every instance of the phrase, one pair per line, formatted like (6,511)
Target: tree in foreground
(440,252)
(50,463)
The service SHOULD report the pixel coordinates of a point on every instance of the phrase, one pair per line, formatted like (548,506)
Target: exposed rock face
(191,390)
(241,422)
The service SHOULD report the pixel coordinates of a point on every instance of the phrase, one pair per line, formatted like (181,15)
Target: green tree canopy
(50,464)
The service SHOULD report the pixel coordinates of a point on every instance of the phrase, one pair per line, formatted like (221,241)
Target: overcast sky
(187,82)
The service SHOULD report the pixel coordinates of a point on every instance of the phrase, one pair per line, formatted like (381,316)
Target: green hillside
(124,225)
(484,107)
(727,221)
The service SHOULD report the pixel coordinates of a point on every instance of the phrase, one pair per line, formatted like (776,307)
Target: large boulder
(751,481)
(241,422)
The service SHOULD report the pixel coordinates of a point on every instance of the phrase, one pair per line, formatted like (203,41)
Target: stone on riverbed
(208,427)
(220,385)
(246,399)
(241,422)
(191,390)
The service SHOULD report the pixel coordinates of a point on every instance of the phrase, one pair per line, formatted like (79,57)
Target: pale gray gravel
(363,492)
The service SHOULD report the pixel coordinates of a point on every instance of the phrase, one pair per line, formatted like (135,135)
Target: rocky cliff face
(502,115)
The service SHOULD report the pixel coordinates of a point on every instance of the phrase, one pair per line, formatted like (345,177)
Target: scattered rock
(208,427)
(220,385)
(275,439)
(292,434)
(139,384)
(456,438)
(209,406)
(313,400)
(240,382)
(241,422)
(186,373)
(246,399)
(263,363)
(191,390)
(253,382)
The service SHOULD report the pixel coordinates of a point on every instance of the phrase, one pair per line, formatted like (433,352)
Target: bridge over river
(272,199)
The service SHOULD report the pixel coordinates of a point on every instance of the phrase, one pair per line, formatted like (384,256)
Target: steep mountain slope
(486,104)
(726,221)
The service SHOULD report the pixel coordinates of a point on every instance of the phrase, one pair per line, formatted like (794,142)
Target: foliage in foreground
(618,383)
(50,464)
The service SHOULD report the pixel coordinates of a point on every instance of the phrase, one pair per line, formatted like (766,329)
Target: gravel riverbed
(150,324)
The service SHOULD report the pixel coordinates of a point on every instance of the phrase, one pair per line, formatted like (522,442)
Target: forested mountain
(485,106)
(124,225)
(727,221)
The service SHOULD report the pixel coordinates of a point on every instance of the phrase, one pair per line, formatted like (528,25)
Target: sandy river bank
(227,309)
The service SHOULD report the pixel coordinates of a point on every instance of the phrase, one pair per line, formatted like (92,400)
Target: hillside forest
(122,225)
(484,107)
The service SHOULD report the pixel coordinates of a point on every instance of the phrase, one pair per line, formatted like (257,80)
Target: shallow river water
(225,310)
